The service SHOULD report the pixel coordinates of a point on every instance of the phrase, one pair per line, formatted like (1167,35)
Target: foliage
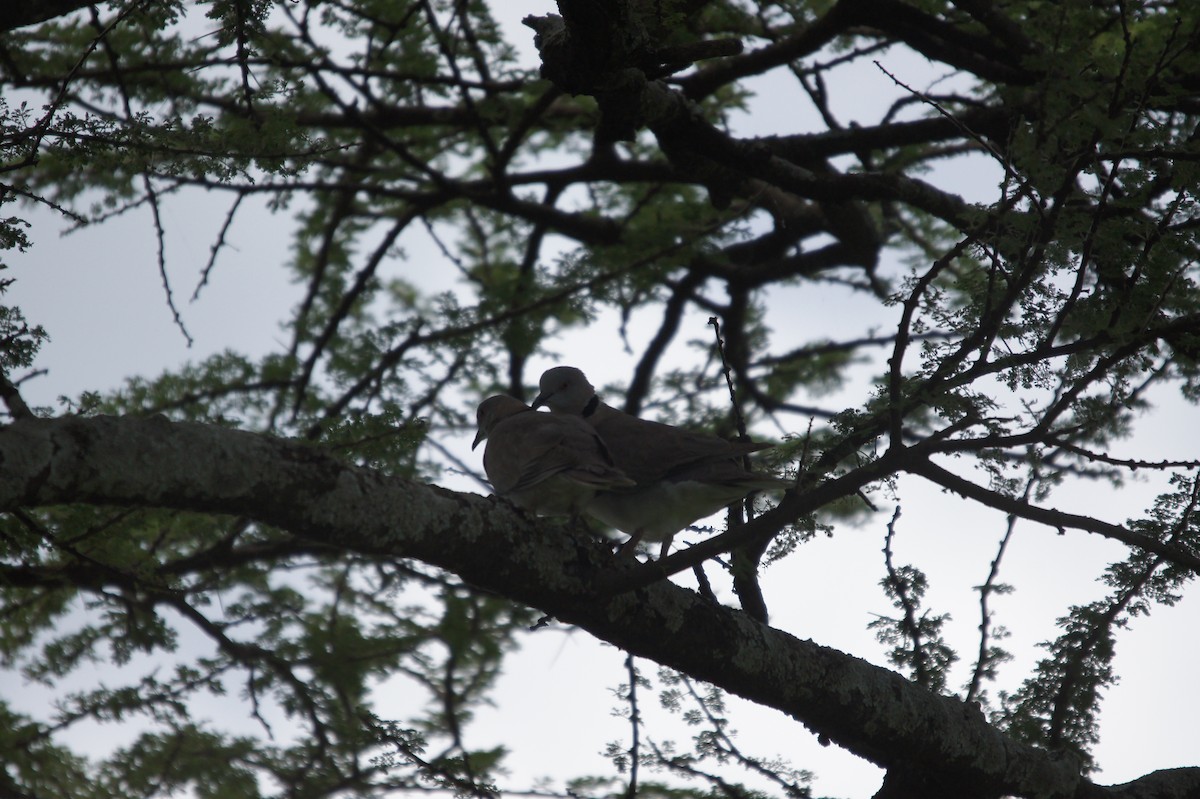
(461,203)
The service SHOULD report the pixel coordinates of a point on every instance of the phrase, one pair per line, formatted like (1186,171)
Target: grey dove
(681,475)
(547,464)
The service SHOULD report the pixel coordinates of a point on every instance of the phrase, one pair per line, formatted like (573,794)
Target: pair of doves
(646,479)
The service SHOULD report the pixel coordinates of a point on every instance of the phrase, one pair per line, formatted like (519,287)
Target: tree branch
(867,709)
(1058,519)
(19,13)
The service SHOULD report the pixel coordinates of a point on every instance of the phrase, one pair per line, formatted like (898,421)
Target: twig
(704,587)
(13,400)
(909,624)
(147,184)
(217,246)
(985,660)
(1009,172)
(728,371)
(635,723)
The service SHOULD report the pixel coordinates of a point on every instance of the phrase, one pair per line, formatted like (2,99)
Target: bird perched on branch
(680,475)
(550,465)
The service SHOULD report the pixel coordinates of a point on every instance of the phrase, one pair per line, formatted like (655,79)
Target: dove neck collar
(591,407)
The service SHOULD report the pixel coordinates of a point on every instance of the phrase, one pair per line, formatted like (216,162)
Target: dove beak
(541,399)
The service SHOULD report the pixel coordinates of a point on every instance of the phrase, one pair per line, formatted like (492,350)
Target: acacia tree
(279,512)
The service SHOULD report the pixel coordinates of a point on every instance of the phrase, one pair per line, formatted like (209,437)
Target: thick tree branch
(19,13)
(867,709)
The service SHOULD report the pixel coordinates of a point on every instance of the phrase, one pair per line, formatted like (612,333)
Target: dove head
(491,411)
(564,389)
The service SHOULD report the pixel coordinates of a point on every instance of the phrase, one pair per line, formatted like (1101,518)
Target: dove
(680,475)
(550,465)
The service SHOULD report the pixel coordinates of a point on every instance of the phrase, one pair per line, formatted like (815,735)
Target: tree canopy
(290,535)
